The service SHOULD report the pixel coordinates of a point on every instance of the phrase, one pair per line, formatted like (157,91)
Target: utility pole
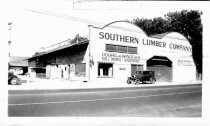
(10,37)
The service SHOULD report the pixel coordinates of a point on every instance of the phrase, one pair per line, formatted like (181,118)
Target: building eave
(59,48)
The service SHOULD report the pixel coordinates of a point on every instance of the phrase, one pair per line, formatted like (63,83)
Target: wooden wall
(70,55)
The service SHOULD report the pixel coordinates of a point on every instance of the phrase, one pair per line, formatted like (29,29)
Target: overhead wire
(83,20)
(91,22)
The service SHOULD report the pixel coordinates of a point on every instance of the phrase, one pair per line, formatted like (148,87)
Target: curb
(79,85)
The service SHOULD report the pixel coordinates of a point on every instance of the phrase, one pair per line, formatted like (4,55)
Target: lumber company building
(113,53)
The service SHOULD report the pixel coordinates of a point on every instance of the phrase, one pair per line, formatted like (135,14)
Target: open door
(162,67)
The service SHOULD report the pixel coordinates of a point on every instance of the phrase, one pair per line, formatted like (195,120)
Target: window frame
(109,50)
(136,50)
(108,46)
(98,70)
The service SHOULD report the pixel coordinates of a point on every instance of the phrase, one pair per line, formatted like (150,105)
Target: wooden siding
(32,63)
(71,58)
(71,55)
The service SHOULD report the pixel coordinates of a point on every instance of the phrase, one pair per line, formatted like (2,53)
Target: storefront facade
(120,48)
(66,60)
(116,51)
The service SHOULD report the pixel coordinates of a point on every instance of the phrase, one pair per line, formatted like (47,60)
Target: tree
(189,24)
(185,22)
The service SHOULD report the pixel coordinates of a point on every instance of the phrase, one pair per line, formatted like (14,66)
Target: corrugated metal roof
(18,61)
(60,48)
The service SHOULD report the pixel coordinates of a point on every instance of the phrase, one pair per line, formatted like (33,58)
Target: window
(80,70)
(132,49)
(121,49)
(105,69)
(111,48)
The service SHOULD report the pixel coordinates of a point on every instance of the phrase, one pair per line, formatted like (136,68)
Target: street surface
(157,101)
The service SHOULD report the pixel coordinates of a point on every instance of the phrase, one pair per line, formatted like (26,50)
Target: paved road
(161,101)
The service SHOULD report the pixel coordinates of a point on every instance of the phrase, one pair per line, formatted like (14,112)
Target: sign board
(144,41)
(116,57)
(184,62)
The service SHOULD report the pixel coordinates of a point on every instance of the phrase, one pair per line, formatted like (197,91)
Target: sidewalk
(47,84)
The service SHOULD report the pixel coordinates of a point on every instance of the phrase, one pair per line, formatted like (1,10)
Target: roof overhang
(59,48)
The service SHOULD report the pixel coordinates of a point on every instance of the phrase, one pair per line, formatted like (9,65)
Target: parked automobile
(13,79)
(142,76)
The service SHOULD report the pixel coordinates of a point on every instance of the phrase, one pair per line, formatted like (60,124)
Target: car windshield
(10,73)
(139,72)
(146,72)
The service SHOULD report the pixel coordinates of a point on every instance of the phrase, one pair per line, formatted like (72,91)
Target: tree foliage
(188,23)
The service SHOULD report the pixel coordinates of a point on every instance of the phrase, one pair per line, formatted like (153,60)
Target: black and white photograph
(89,60)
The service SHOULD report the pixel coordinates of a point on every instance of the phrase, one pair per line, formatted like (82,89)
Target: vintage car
(143,77)
(13,79)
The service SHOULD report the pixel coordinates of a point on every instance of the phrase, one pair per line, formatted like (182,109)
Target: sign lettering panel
(106,56)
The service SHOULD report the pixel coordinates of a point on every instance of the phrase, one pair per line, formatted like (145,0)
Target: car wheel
(14,81)
(128,82)
(137,81)
(152,80)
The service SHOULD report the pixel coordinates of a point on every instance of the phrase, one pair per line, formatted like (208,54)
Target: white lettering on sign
(116,37)
(184,63)
(120,57)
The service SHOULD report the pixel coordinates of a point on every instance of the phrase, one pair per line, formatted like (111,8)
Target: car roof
(145,70)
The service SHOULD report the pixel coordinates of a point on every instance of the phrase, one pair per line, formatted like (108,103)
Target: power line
(112,2)
(84,20)
(91,22)
(65,16)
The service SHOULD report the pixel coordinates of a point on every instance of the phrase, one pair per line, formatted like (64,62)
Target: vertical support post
(27,78)
(28,75)
(10,38)
(89,51)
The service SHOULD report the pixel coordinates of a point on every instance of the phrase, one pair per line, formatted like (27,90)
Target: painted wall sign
(117,37)
(120,57)
(180,47)
(121,68)
(184,63)
(145,42)
(153,43)
(161,44)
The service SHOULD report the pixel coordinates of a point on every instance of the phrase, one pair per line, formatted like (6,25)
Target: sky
(32,30)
